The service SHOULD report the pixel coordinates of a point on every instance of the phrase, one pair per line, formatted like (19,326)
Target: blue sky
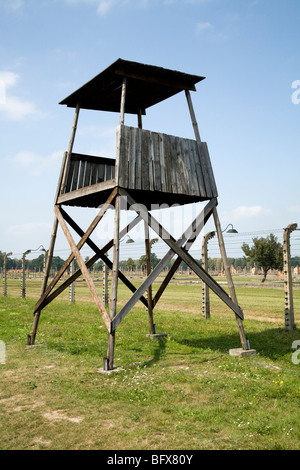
(248,108)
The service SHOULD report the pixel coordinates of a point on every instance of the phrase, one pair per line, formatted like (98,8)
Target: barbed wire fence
(233,243)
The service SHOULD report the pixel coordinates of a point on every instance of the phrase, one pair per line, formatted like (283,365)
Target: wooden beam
(193,116)
(37,313)
(186,257)
(79,246)
(60,179)
(149,290)
(207,212)
(101,254)
(86,191)
(158,81)
(83,268)
(239,317)
(189,233)
(70,148)
(90,263)
(123,100)
(140,122)
(114,284)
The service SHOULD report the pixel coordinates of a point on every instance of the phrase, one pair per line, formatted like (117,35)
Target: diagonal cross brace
(90,263)
(79,246)
(101,254)
(177,262)
(184,255)
(187,235)
(83,268)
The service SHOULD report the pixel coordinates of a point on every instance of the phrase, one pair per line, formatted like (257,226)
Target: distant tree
(99,266)
(295,261)
(130,264)
(142,261)
(57,263)
(267,252)
(36,264)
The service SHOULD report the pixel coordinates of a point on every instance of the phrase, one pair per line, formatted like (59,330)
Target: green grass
(182,392)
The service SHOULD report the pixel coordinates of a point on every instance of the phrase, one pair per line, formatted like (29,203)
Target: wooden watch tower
(149,168)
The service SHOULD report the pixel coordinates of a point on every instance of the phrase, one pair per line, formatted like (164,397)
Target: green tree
(57,263)
(142,261)
(130,264)
(267,252)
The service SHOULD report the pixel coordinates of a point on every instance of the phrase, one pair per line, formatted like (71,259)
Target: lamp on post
(205,290)
(231,230)
(127,241)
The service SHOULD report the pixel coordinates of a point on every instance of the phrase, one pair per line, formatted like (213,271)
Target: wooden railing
(86,170)
(151,161)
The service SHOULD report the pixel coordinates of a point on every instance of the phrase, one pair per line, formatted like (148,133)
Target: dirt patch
(40,442)
(18,403)
(58,415)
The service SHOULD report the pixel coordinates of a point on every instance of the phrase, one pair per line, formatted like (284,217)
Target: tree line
(266,253)
(36,264)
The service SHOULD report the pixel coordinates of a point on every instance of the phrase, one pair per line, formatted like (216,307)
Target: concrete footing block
(157,336)
(240,352)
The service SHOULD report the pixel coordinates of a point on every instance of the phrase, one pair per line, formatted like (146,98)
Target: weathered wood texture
(83,268)
(151,161)
(86,170)
(146,161)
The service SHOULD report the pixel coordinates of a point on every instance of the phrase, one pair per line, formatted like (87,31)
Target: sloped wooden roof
(147,85)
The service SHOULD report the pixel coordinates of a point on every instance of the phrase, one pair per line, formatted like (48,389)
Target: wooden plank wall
(153,161)
(85,170)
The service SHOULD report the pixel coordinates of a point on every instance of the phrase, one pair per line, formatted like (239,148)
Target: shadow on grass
(273,344)
(160,350)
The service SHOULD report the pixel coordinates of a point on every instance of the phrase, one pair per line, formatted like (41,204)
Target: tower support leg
(231,288)
(148,271)
(31,337)
(114,284)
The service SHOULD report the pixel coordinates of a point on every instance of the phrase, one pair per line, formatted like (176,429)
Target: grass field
(180,392)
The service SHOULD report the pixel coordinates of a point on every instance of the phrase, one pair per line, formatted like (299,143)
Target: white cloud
(103,6)
(28,229)
(251,211)
(204,26)
(13,107)
(199,2)
(36,163)
(14,5)
(16,109)
(106,5)
(8,78)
